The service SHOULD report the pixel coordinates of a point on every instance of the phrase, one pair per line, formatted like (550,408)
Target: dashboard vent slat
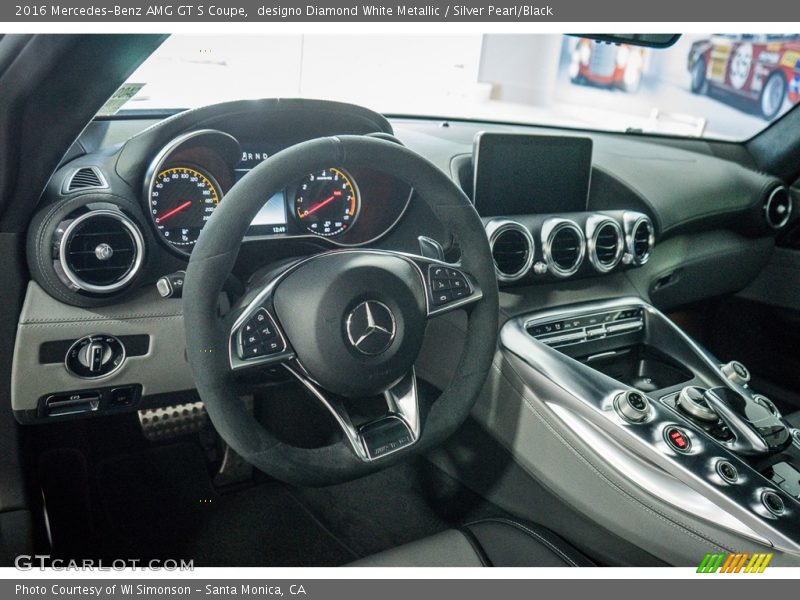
(640,237)
(85,178)
(641,240)
(564,247)
(605,242)
(512,251)
(778,208)
(101,251)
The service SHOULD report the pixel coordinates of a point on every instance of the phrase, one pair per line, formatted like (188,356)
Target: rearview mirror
(650,40)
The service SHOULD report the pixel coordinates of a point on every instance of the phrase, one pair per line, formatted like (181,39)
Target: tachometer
(327,203)
(182,199)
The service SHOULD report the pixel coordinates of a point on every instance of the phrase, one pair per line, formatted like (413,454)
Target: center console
(649,398)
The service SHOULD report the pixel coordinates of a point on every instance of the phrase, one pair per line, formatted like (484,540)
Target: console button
(736,372)
(677,439)
(773,503)
(595,332)
(727,471)
(632,406)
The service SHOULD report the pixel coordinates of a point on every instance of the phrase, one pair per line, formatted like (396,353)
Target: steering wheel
(347,323)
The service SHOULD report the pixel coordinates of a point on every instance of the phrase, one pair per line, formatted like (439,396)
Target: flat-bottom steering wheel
(347,323)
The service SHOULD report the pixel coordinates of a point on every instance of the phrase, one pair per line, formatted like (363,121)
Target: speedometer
(327,203)
(182,199)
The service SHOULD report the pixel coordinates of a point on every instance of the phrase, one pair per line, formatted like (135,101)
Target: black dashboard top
(166,175)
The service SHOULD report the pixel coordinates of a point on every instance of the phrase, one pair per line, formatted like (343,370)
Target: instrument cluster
(189,177)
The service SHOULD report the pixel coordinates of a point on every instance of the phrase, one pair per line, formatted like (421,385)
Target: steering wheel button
(438,285)
(252,352)
(267,331)
(439,273)
(458,283)
(272,347)
(459,293)
(440,298)
(253,339)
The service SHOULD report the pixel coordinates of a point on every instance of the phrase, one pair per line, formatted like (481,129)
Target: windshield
(721,86)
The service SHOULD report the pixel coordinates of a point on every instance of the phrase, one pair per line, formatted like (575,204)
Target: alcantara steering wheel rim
(209,336)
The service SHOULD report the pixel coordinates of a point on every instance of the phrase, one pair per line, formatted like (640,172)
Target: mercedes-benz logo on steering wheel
(371,327)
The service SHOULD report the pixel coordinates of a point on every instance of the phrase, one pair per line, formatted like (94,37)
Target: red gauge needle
(327,200)
(175,210)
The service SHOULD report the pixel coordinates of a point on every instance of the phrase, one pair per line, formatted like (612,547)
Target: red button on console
(677,439)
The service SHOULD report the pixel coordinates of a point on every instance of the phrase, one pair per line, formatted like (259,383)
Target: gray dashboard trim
(162,370)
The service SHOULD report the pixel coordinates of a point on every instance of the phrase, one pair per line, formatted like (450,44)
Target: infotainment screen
(531,174)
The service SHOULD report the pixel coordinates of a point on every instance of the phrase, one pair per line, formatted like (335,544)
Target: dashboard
(569,216)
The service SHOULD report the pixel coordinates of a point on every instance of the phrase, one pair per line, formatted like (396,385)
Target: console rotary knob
(736,372)
(693,402)
(632,406)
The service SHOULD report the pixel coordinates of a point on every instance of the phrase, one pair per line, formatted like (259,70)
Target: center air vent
(564,246)
(639,236)
(84,178)
(100,251)
(778,208)
(512,249)
(605,242)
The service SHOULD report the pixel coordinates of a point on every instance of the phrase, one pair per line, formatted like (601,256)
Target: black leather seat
(486,543)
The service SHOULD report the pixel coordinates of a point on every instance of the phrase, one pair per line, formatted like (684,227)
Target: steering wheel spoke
(375,439)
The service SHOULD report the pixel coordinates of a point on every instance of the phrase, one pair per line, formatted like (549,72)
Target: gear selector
(756,428)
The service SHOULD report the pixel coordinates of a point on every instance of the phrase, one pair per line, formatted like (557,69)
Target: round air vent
(564,246)
(639,237)
(512,250)
(778,208)
(605,242)
(99,251)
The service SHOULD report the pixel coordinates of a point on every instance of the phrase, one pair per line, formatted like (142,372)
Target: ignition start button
(677,439)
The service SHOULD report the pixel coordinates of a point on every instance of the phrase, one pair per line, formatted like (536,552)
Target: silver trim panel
(689,481)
